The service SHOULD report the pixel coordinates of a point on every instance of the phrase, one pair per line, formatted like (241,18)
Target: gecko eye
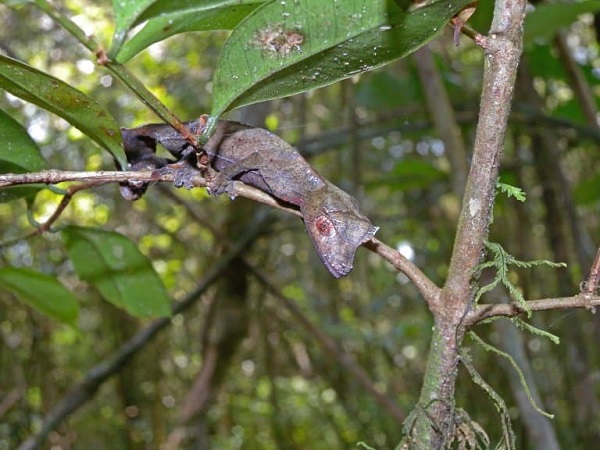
(325,226)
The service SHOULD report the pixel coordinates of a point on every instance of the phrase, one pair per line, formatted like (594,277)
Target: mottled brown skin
(263,160)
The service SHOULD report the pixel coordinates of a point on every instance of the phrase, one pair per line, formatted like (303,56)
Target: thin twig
(47,225)
(101,177)
(590,286)
(503,49)
(71,191)
(427,288)
(483,312)
(118,70)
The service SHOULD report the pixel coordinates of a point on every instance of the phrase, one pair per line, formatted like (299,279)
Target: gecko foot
(183,174)
(221,184)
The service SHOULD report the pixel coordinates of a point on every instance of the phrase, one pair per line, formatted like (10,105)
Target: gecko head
(336,227)
(139,151)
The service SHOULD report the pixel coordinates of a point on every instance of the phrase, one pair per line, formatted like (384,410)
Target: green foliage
(114,265)
(508,436)
(13,136)
(548,18)
(42,292)
(511,191)
(196,16)
(63,100)
(18,154)
(482,18)
(521,324)
(166,18)
(490,348)
(375,315)
(283,48)
(127,13)
(501,262)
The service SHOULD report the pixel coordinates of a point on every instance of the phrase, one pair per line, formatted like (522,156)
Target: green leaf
(547,18)
(67,102)
(127,13)
(10,193)
(166,7)
(42,292)
(18,154)
(287,47)
(189,16)
(511,191)
(501,262)
(115,266)
(17,146)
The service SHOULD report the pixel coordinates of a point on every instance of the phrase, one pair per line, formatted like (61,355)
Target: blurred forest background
(253,363)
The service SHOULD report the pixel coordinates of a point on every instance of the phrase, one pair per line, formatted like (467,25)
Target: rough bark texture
(433,425)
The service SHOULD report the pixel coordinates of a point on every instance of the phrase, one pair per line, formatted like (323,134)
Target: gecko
(259,158)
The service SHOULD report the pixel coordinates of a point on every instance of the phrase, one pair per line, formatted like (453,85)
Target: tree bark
(433,419)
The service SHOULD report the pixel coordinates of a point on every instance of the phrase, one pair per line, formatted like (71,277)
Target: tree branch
(102,177)
(483,312)
(435,427)
(118,70)
(167,174)
(591,285)
(423,283)
(503,50)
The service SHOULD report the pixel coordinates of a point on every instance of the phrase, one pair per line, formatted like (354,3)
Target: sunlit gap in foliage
(406,250)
